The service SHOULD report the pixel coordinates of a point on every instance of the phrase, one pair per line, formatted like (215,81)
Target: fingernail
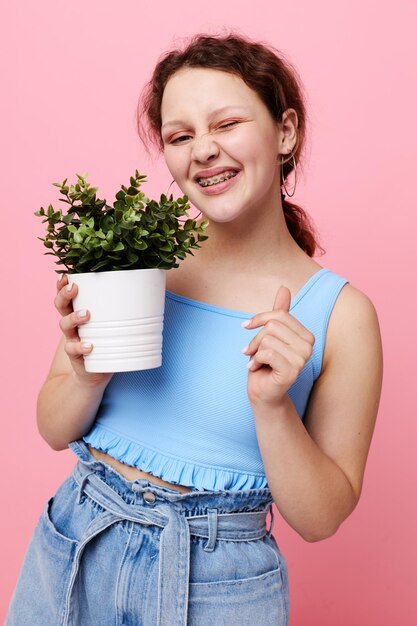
(250,363)
(86,345)
(68,287)
(81,313)
(245,349)
(246,323)
(61,276)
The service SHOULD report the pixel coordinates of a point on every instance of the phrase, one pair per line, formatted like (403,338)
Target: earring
(172,182)
(290,195)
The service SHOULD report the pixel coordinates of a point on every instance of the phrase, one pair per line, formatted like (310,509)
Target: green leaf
(181,236)
(134,232)
(98,265)
(140,245)
(132,256)
(189,224)
(87,257)
(67,218)
(168,259)
(128,225)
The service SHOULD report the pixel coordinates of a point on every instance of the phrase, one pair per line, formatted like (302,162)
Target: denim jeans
(109,551)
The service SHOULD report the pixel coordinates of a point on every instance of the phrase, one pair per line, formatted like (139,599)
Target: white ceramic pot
(126,318)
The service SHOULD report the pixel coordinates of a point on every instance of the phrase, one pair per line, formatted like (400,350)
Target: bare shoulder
(353,324)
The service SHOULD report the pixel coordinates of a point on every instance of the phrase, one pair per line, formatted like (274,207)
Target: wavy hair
(265,70)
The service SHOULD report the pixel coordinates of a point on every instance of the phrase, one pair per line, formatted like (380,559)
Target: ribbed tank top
(190,421)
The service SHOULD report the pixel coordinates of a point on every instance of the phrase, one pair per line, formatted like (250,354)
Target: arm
(69,398)
(315,470)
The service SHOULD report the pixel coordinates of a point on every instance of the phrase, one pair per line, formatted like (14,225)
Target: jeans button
(149,497)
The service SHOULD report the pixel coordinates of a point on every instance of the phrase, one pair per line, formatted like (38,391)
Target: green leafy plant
(134,233)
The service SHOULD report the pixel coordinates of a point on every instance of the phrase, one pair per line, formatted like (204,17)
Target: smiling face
(220,143)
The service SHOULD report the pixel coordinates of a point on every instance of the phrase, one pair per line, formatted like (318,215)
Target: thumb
(283,299)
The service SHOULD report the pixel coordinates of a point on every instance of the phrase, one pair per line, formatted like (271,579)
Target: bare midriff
(133,473)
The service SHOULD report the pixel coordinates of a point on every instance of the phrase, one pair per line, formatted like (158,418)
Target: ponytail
(300,227)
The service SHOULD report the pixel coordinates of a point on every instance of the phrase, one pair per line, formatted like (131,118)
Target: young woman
(162,520)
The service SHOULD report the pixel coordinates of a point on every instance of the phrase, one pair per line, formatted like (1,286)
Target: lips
(214,172)
(221,187)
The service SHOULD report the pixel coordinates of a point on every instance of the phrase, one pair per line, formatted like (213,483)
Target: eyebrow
(213,114)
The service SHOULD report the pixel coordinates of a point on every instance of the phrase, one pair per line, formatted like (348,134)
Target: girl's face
(221,144)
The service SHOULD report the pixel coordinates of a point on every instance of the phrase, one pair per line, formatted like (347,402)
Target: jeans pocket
(51,528)
(40,593)
(284,575)
(44,580)
(239,583)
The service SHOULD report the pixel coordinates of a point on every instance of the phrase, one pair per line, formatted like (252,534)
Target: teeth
(213,180)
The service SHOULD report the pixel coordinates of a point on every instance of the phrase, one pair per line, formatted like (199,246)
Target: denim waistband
(175,513)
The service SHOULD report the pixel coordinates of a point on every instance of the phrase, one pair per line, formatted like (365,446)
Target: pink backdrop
(71,74)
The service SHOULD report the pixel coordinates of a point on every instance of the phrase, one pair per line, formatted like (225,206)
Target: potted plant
(118,256)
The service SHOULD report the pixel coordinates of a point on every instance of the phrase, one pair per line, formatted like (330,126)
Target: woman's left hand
(279,351)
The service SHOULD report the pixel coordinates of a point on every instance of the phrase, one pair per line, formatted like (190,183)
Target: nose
(204,148)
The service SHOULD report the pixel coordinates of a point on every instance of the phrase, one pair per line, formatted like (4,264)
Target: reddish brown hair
(266,72)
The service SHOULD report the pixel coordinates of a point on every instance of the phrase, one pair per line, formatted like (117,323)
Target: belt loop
(212,530)
(82,484)
(271,512)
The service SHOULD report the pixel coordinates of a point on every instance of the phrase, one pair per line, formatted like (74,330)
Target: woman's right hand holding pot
(74,347)
(70,396)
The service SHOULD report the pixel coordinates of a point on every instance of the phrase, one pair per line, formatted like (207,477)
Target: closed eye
(228,124)
(182,137)
(177,139)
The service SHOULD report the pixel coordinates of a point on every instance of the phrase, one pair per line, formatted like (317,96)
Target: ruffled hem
(176,471)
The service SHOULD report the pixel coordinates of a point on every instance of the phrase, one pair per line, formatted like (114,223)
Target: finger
(282,299)
(274,328)
(270,359)
(63,298)
(69,323)
(285,318)
(270,353)
(77,349)
(62,281)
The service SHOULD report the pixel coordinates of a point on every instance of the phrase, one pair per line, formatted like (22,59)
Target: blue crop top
(190,421)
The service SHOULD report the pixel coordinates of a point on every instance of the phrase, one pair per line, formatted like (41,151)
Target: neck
(249,244)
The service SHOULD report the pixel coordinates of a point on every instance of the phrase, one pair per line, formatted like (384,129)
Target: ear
(288,134)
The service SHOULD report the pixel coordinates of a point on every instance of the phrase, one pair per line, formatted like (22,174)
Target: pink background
(71,74)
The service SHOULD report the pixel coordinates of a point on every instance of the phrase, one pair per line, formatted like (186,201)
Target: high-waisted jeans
(112,552)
